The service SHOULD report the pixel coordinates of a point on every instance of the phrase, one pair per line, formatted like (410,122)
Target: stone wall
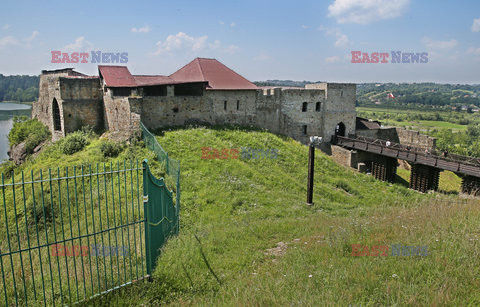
(400,135)
(298,113)
(380,134)
(78,97)
(296,120)
(82,103)
(351,158)
(244,115)
(121,113)
(339,107)
(415,138)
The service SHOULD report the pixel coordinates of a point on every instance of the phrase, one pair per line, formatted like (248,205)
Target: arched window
(317,106)
(340,129)
(57,125)
(304,106)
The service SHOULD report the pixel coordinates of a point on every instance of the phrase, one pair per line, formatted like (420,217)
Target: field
(420,120)
(248,238)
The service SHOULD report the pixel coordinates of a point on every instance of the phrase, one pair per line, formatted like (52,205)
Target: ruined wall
(49,89)
(351,158)
(381,134)
(400,135)
(81,103)
(415,138)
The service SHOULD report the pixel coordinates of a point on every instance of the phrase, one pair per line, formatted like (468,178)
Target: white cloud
(144,29)
(29,39)
(471,50)
(476,25)
(366,11)
(7,40)
(263,56)
(233,24)
(304,27)
(185,42)
(80,44)
(332,59)
(432,44)
(221,22)
(6,26)
(341,41)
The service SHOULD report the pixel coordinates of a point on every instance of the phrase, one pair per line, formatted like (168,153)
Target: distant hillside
(19,88)
(418,94)
(408,94)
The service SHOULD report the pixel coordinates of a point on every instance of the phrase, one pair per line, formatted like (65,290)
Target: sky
(261,40)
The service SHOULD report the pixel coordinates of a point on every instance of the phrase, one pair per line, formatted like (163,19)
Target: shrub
(110,148)
(74,142)
(7,168)
(31,131)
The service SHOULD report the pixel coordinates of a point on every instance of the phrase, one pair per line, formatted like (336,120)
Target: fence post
(178,200)
(145,211)
(167,164)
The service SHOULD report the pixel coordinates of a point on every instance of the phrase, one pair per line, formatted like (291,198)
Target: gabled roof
(219,76)
(117,76)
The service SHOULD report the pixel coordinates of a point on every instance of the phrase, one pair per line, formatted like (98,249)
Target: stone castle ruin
(204,91)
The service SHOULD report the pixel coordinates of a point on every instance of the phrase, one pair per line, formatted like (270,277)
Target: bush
(31,131)
(7,168)
(74,142)
(110,148)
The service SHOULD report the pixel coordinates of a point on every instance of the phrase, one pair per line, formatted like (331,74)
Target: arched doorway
(340,129)
(57,125)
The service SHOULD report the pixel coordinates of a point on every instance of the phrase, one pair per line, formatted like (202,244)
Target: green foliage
(419,95)
(31,131)
(19,88)
(110,148)
(74,142)
(7,168)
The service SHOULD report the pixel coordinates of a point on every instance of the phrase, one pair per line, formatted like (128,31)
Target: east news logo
(82,57)
(383,57)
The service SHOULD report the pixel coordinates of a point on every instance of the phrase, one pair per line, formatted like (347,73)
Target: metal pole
(311,160)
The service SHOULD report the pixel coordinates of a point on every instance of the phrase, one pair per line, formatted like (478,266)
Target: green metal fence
(69,235)
(171,166)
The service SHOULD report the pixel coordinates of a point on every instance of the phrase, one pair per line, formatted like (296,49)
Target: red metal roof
(152,80)
(219,76)
(117,76)
(143,80)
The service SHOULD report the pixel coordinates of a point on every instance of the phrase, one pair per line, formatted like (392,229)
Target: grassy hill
(248,238)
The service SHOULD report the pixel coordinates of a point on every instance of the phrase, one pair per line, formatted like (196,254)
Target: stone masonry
(69,100)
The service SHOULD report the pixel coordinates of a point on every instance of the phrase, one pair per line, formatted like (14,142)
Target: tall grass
(248,238)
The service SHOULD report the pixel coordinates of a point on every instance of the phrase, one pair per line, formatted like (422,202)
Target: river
(7,112)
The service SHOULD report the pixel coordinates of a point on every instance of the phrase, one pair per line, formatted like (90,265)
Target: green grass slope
(248,238)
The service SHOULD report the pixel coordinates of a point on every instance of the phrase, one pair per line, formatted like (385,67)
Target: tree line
(19,88)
